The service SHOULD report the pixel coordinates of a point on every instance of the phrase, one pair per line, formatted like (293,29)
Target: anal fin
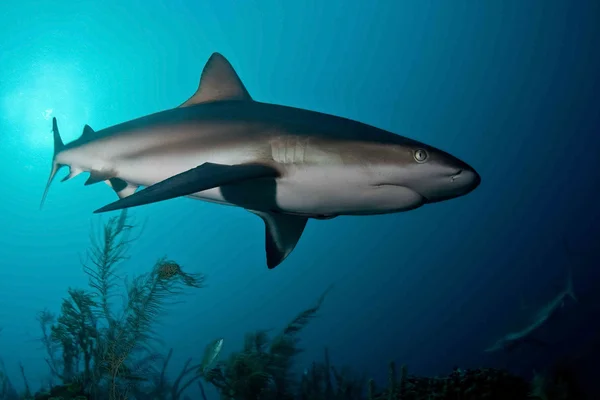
(73,172)
(282,233)
(203,177)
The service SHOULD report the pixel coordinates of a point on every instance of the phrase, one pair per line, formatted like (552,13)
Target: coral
(63,392)
(470,384)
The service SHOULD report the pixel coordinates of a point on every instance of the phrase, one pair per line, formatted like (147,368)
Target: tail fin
(58,147)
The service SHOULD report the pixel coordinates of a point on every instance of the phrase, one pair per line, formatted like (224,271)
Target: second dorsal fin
(218,82)
(87,131)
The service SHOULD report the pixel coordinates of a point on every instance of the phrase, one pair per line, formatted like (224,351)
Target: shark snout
(451,182)
(467,178)
(461,182)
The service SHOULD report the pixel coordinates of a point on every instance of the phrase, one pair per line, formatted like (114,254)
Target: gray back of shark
(284,164)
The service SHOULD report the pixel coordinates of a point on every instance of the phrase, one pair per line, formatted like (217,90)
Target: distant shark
(526,335)
(284,164)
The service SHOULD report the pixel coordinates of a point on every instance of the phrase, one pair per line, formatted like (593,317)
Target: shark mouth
(456,175)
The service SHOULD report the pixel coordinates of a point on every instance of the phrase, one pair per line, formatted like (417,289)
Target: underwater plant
(558,382)
(107,353)
(317,384)
(95,351)
(7,390)
(263,368)
(468,384)
(162,388)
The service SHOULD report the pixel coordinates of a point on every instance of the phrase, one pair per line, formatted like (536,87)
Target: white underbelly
(324,191)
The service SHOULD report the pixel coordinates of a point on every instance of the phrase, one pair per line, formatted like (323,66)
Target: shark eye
(420,155)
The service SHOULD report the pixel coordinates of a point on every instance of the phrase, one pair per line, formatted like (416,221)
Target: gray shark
(284,164)
(526,335)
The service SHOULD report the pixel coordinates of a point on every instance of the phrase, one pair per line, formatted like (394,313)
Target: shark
(526,335)
(284,164)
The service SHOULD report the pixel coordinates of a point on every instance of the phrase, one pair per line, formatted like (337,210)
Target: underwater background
(510,87)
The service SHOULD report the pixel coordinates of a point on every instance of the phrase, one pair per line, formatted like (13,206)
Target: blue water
(510,87)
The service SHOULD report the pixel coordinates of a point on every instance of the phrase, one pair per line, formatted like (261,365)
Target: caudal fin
(58,147)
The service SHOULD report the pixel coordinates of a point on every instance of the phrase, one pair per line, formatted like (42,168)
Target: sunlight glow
(43,91)
(47,114)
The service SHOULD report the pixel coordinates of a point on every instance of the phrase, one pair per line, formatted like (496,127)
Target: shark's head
(432,173)
(443,176)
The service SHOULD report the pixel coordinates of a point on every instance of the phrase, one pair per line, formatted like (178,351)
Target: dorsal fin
(87,131)
(218,82)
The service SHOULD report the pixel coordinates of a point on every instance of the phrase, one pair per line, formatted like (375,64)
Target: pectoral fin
(282,232)
(203,177)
